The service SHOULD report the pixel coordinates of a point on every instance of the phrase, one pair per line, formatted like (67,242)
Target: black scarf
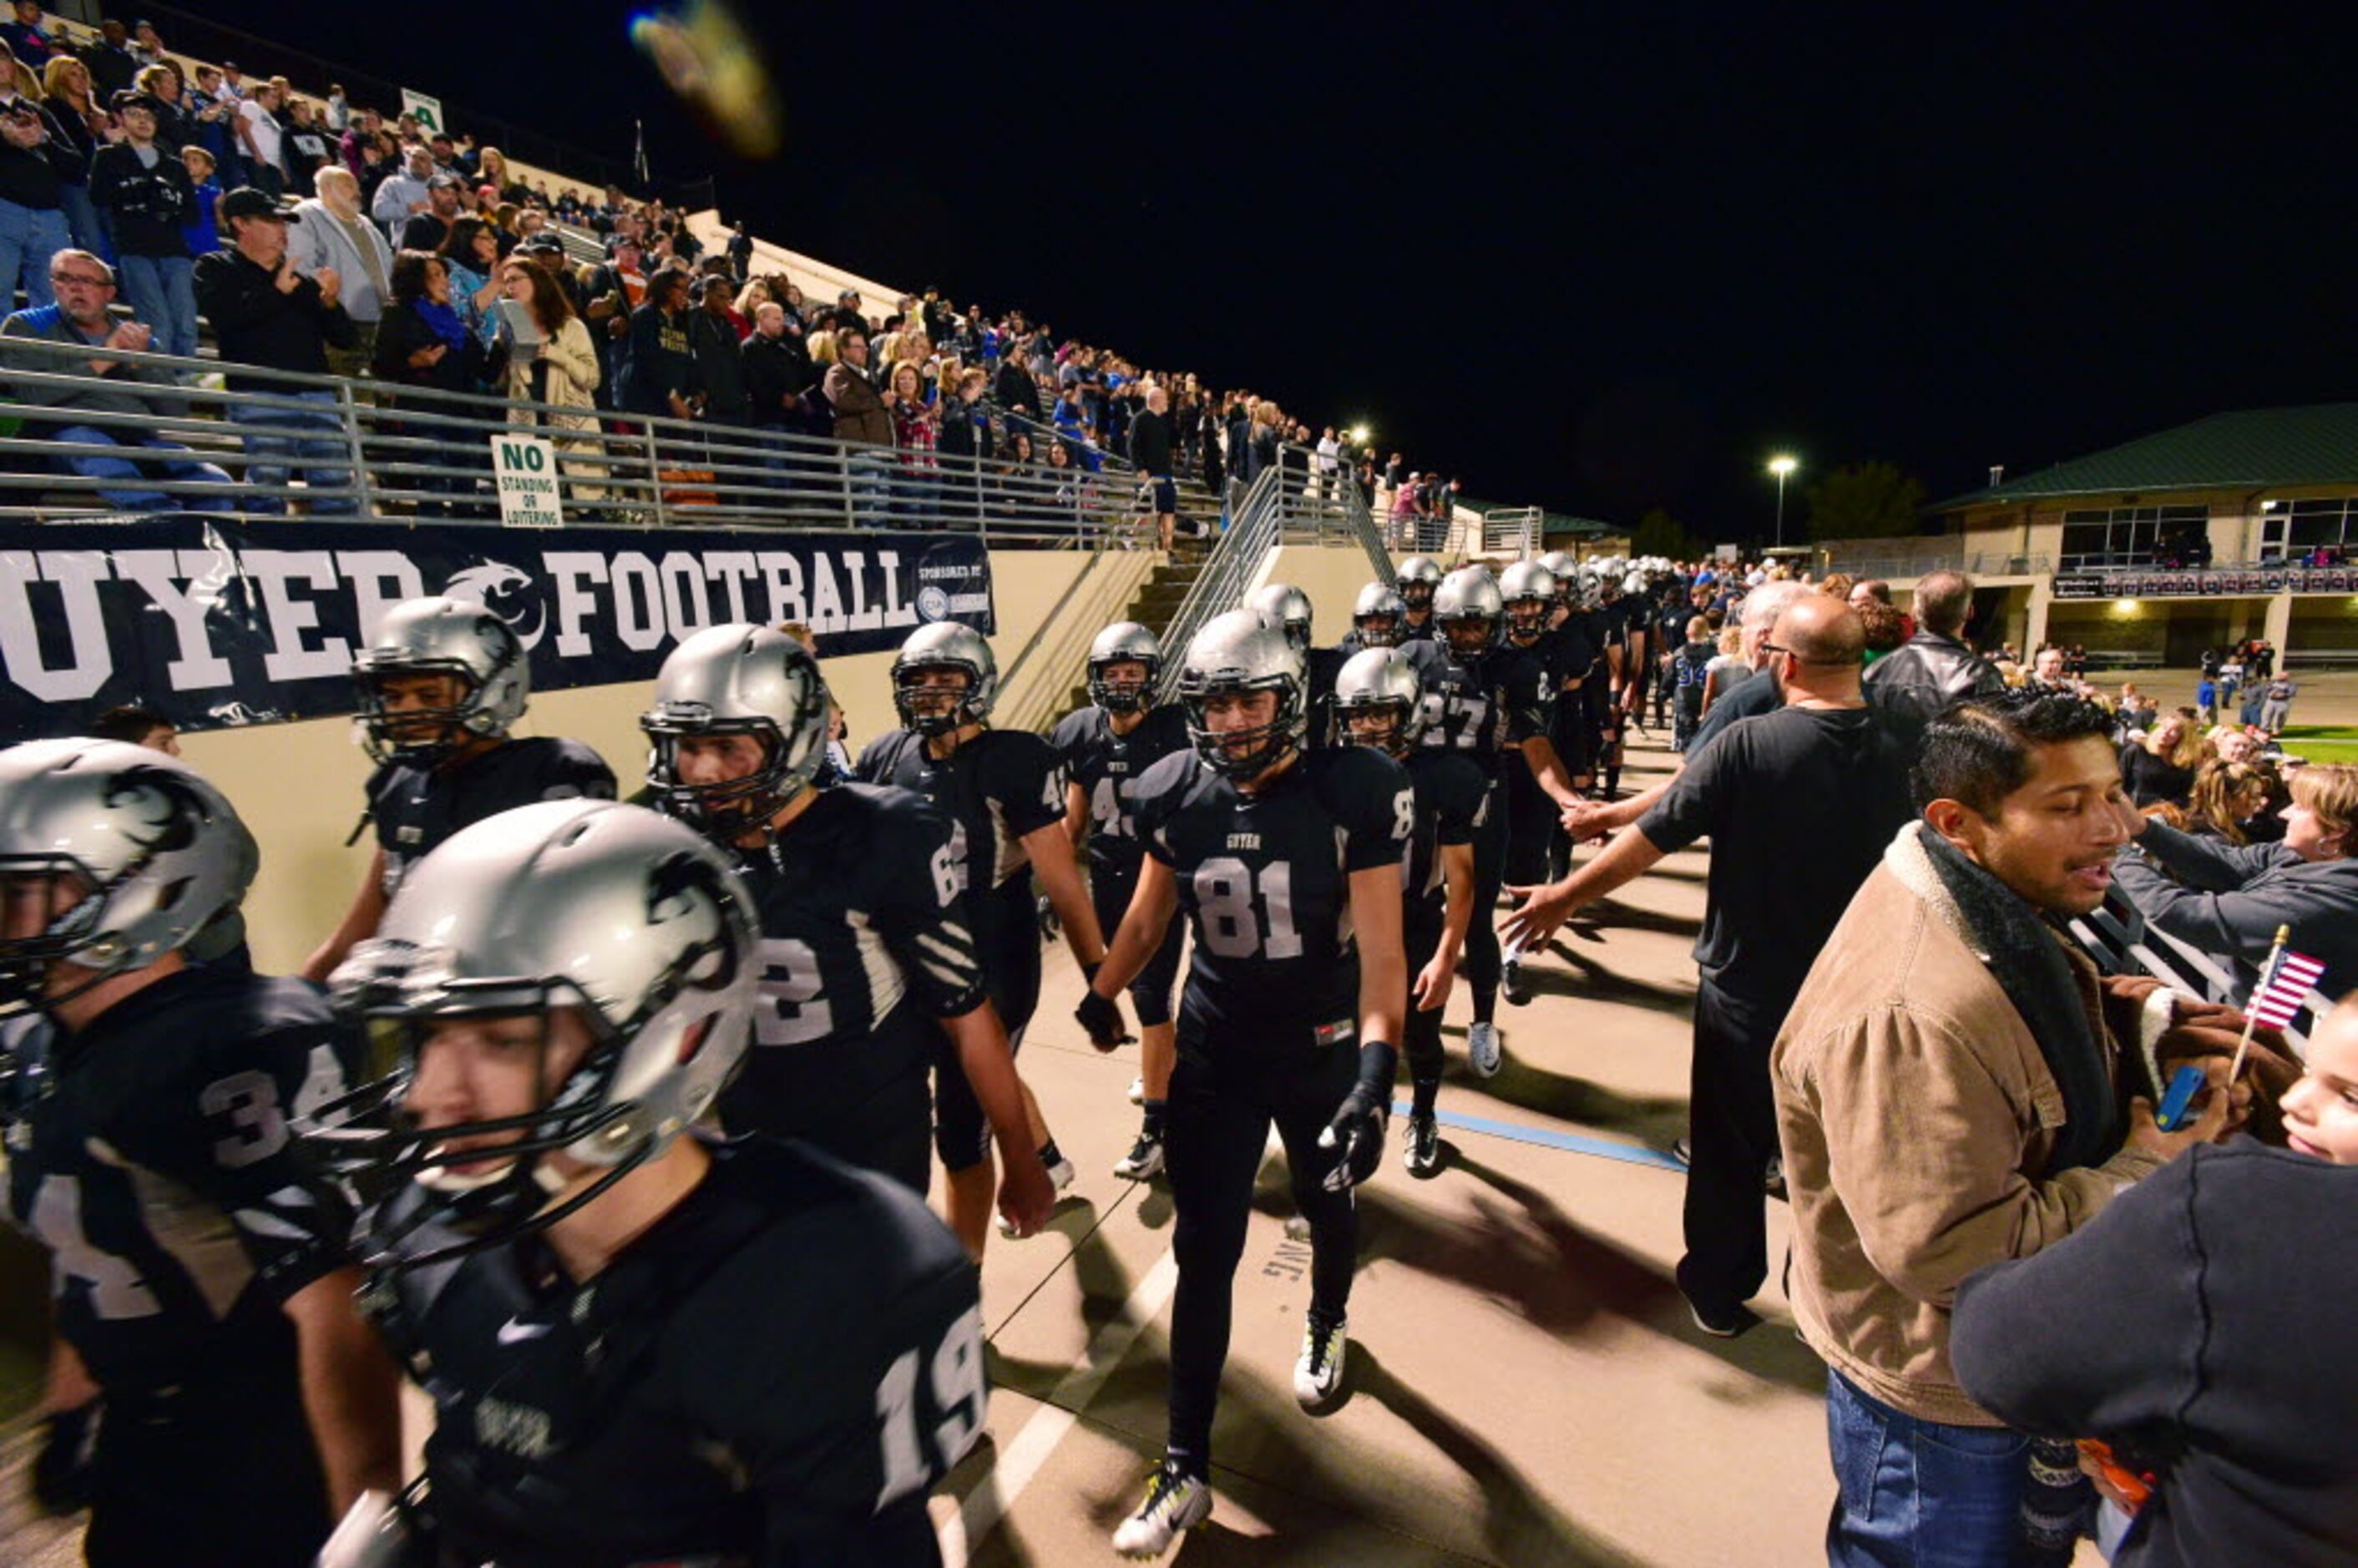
(2026,959)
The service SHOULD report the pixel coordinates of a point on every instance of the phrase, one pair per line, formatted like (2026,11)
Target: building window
(2329,523)
(2135,536)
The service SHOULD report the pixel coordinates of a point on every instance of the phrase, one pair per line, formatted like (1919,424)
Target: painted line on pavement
(1547,1138)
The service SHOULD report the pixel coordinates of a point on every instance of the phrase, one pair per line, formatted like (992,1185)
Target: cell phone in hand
(2178,1099)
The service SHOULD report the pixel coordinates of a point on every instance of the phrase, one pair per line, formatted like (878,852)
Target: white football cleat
(1174,1501)
(1318,1375)
(1137,1089)
(1060,1180)
(1484,1049)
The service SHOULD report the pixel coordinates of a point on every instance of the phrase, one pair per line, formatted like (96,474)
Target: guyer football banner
(217,624)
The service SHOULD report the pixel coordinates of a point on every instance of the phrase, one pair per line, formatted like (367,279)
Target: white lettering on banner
(368,571)
(888,572)
(729,568)
(77,574)
(640,629)
(826,600)
(784,576)
(683,577)
(289,617)
(568,569)
(157,573)
(863,619)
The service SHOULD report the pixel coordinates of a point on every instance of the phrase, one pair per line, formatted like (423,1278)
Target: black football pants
(1213,1135)
(1480,965)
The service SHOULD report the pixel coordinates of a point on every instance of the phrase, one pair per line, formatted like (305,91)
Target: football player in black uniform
(1625,651)
(865,947)
(241,1400)
(1581,697)
(1005,792)
(1483,698)
(642,1349)
(1106,749)
(1529,592)
(440,689)
(1380,702)
(1376,617)
(1418,581)
(1288,609)
(1287,863)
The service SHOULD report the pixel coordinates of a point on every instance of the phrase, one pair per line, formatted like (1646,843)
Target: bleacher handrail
(2118,937)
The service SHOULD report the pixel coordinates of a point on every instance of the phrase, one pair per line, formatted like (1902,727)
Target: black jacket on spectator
(966,431)
(1150,443)
(660,361)
(776,369)
(2201,1326)
(402,333)
(144,207)
(111,69)
(1928,673)
(2152,780)
(256,324)
(720,368)
(1016,391)
(32,177)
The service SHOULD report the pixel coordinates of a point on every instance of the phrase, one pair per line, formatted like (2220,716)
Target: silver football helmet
(1124,643)
(1418,580)
(1374,682)
(1287,608)
(945,644)
(1376,614)
(1468,608)
(1562,563)
(628,918)
(152,846)
(738,679)
(1528,590)
(1238,653)
(440,636)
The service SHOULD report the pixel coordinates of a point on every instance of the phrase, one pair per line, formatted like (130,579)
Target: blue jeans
(871,483)
(82,222)
(30,236)
(110,466)
(162,294)
(1918,1494)
(280,441)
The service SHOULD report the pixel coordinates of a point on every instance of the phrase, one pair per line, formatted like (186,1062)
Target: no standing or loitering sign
(524,467)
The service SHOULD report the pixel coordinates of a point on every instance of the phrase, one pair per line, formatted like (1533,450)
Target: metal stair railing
(1253,532)
(2115,935)
(1515,528)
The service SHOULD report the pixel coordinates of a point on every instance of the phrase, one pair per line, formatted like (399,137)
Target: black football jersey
(417,808)
(1108,767)
(150,1153)
(1265,881)
(1409,632)
(1320,665)
(864,944)
(1613,623)
(1483,705)
(774,1374)
(997,787)
(1579,645)
(1452,798)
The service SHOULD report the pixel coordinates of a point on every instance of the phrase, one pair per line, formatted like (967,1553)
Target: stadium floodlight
(1782,465)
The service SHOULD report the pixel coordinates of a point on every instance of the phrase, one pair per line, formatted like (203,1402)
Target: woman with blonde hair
(491,170)
(560,368)
(2225,797)
(2162,766)
(81,124)
(753,296)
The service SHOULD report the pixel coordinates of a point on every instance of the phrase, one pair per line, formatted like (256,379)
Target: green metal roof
(2255,448)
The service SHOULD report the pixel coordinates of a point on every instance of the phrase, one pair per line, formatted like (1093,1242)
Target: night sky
(1603,261)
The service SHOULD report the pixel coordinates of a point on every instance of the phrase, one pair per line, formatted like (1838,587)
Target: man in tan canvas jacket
(1950,1093)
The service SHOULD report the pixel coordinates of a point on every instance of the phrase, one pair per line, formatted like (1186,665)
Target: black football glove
(1358,1124)
(1100,1020)
(1050,927)
(63,1474)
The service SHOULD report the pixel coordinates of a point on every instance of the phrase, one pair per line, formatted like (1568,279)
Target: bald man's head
(1822,632)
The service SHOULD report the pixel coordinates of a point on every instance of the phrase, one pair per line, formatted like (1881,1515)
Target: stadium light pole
(1782,465)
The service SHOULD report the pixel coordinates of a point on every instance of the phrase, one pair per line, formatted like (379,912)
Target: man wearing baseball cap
(427,230)
(266,314)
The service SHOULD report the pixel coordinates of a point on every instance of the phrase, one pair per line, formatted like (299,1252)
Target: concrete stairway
(1159,596)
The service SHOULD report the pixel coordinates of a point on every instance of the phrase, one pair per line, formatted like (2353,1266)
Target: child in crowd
(204,231)
(1690,667)
(2275,703)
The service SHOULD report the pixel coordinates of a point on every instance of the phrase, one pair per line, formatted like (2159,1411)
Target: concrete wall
(299,785)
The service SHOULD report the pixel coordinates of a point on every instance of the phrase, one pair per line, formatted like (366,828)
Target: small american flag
(2283,988)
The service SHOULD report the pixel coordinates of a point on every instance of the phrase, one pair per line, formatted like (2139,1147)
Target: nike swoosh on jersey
(515,1332)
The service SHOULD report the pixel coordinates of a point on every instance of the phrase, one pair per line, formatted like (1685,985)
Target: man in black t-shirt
(440,689)
(232,1400)
(1106,748)
(1006,794)
(1797,805)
